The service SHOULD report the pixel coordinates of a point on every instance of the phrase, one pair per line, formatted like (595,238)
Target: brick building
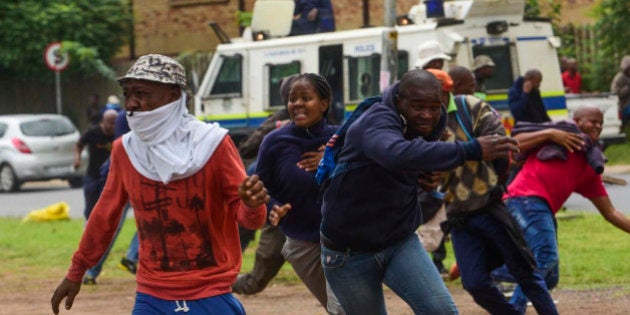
(174,26)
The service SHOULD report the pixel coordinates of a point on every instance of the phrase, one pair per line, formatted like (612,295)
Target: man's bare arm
(612,215)
(530,140)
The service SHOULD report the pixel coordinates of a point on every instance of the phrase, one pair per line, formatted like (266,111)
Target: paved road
(619,195)
(38,195)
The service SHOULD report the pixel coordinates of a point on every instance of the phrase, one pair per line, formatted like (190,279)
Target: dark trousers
(92,188)
(267,263)
(439,254)
(474,244)
(245,237)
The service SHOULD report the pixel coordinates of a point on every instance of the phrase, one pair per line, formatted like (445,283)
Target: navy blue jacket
(279,154)
(374,206)
(526,106)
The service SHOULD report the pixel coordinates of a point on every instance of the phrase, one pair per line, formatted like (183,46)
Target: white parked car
(38,147)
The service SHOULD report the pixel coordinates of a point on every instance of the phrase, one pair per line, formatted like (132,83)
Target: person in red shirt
(187,185)
(543,185)
(571,78)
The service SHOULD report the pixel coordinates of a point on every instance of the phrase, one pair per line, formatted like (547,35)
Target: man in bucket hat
(189,192)
(483,69)
(431,56)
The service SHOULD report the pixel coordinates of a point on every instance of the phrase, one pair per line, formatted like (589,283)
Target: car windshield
(47,127)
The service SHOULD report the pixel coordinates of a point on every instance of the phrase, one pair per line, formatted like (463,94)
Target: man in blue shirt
(524,98)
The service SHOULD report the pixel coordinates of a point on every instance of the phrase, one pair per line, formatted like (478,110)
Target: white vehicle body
(240,88)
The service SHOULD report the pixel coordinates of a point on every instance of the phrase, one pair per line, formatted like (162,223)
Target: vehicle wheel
(8,181)
(75,182)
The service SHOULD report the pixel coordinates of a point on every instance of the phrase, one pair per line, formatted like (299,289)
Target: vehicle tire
(8,180)
(75,182)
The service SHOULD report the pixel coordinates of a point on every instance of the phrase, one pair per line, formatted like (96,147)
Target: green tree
(613,34)
(91,31)
(532,8)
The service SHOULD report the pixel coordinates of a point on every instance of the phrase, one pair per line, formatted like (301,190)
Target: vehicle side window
(276,73)
(47,127)
(3,129)
(230,77)
(502,79)
(403,63)
(363,77)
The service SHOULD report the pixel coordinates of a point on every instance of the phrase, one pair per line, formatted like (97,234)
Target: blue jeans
(474,244)
(536,219)
(225,304)
(357,279)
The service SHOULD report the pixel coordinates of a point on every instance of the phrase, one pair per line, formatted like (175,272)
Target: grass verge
(593,253)
(618,153)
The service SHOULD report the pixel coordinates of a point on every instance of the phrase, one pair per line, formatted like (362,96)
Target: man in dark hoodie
(524,98)
(371,212)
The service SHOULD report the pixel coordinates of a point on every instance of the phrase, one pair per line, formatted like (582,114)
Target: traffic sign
(55,59)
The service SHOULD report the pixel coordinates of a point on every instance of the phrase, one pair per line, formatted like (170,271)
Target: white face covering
(168,143)
(155,126)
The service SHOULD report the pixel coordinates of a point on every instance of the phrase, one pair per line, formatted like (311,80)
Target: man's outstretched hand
(66,289)
(253,192)
(497,147)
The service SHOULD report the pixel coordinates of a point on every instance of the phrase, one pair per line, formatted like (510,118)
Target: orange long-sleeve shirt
(188,228)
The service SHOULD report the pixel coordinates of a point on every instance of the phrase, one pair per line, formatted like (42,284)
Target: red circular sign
(55,59)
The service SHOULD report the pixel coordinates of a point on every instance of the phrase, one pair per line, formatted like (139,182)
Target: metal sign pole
(58,90)
(56,61)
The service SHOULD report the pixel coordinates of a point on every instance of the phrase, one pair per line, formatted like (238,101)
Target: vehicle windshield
(47,127)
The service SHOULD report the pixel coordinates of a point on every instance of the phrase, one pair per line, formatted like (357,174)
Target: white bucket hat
(428,51)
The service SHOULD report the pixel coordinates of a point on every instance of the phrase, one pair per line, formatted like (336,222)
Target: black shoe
(128,265)
(440,267)
(89,280)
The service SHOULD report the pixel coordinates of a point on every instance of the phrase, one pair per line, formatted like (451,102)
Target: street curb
(617,169)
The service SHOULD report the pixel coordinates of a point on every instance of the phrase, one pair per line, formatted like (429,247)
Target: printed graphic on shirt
(174,228)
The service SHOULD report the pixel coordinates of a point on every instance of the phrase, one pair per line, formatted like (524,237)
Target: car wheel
(8,181)
(75,182)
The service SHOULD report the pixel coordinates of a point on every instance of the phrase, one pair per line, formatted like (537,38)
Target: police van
(240,88)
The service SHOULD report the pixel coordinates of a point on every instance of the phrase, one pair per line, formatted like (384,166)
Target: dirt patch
(116,296)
